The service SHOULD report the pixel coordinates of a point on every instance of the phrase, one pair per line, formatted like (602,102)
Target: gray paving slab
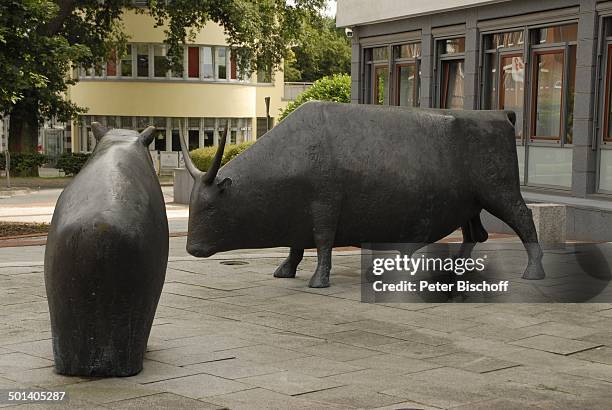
(163,401)
(353,396)
(233,368)
(290,383)
(259,398)
(601,354)
(198,386)
(554,344)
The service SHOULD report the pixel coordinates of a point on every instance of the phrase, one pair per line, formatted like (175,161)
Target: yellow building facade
(138,90)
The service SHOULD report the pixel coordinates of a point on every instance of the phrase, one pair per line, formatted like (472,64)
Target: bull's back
(396,173)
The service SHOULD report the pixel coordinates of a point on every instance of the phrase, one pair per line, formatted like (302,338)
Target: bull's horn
(214,168)
(193,170)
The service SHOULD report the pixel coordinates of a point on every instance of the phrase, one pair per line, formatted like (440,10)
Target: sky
(331,8)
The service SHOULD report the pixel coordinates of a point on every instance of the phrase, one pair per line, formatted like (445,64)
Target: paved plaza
(229,335)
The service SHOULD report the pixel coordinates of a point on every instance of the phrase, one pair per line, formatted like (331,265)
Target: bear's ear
(98,130)
(147,136)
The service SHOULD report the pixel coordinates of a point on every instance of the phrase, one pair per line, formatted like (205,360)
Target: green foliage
(203,157)
(41,41)
(71,163)
(22,162)
(321,51)
(335,88)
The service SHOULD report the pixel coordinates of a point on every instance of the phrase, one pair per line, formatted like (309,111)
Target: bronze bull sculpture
(335,174)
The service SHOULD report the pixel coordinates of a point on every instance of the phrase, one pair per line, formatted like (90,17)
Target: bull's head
(208,205)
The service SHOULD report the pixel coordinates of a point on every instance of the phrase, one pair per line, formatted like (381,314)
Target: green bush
(71,163)
(203,157)
(23,163)
(335,88)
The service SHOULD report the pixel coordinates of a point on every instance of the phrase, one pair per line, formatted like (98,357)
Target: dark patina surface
(106,257)
(335,174)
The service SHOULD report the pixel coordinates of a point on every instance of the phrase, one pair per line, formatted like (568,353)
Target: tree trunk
(23,134)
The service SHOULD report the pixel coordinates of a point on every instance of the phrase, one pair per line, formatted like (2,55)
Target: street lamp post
(7,155)
(267,114)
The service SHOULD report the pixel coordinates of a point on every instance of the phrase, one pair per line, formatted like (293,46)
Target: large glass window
(377,63)
(381,80)
(407,75)
(504,75)
(142,60)
(552,95)
(452,73)
(548,94)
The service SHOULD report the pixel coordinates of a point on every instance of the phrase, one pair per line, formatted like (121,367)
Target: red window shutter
(233,66)
(193,65)
(111,65)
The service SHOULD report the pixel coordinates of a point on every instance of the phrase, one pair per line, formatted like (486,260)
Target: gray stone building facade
(549,61)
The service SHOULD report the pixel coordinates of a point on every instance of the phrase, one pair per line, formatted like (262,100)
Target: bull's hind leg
(518,217)
(288,268)
(473,232)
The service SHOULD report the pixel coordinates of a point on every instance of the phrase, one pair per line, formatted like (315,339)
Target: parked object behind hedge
(105,260)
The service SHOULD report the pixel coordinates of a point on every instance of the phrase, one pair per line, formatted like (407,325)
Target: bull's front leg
(288,268)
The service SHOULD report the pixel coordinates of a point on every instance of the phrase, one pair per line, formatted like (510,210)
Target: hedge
(203,157)
(71,163)
(22,162)
(335,88)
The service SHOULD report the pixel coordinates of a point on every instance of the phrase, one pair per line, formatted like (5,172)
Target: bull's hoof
(534,271)
(318,282)
(285,270)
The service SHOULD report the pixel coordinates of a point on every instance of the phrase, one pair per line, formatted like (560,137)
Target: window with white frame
(142,60)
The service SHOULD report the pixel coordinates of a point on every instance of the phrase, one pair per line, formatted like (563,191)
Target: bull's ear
(147,136)
(98,130)
(226,183)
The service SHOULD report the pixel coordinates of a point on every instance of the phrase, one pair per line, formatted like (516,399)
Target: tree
(322,50)
(335,88)
(42,40)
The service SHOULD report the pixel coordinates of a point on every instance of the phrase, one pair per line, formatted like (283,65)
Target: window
(220,60)
(142,60)
(193,133)
(452,85)
(377,66)
(504,74)
(160,61)
(452,73)
(264,76)
(159,143)
(126,122)
(381,79)
(193,62)
(552,94)
(407,74)
(126,62)
(209,132)
(208,71)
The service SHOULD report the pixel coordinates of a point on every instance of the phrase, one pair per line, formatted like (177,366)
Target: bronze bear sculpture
(106,257)
(334,174)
